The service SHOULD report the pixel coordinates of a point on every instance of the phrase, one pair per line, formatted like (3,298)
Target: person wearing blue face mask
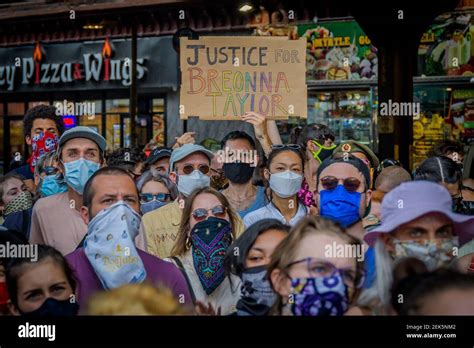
(189,169)
(156,190)
(47,176)
(56,220)
(343,193)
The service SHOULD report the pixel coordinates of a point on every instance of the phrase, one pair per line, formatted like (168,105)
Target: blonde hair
(135,299)
(285,253)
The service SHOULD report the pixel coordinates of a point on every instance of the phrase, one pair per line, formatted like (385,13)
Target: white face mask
(286,184)
(188,183)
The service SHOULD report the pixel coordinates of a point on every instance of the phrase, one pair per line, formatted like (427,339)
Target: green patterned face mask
(22,202)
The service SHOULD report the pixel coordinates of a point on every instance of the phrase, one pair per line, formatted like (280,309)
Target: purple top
(305,195)
(159,272)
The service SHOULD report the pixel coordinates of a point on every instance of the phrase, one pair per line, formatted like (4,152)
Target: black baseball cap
(158,153)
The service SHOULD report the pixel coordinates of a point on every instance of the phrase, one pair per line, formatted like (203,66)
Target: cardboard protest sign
(224,77)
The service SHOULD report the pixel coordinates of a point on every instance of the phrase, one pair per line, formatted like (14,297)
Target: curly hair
(44,112)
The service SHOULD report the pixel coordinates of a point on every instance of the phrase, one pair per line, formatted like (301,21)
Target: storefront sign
(102,64)
(447,48)
(224,77)
(338,51)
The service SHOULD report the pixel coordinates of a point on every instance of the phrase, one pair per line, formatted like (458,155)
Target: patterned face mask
(21,202)
(321,296)
(210,240)
(434,254)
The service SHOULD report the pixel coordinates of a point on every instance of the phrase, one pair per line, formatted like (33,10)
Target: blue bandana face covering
(340,205)
(54,308)
(110,247)
(322,296)
(78,172)
(210,240)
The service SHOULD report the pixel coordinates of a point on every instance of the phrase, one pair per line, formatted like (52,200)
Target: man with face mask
(417,221)
(56,220)
(343,192)
(109,258)
(189,169)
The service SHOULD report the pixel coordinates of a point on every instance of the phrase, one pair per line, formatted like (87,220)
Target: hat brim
(463,225)
(98,139)
(151,160)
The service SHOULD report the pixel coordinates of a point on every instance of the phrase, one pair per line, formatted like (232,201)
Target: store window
(36,103)
(349,113)
(16,109)
(158,115)
(117,110)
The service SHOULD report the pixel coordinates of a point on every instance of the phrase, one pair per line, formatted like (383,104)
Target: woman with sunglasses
(284,172)
(310,274)
(47,178)
(208,227)
(156,190)
(317,141)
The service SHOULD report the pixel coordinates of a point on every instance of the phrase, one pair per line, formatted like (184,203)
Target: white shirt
(271,212)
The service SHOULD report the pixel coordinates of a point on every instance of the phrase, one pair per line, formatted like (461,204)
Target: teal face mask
(78,172)
(50,185)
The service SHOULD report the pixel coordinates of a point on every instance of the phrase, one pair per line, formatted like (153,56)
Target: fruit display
(450,50)
(331,56)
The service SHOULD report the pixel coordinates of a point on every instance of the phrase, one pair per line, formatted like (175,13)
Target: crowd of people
(245,226)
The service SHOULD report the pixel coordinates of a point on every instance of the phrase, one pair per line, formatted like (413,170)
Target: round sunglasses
(189,168)
(200,214)
(330,182)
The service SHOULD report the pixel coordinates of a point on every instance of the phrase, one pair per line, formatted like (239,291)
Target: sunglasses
(200,214)
(148,197)
(50,170)
(189,168)
(351,184)
(286,146)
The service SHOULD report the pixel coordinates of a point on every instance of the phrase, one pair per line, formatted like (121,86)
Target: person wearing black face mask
(255,247)
(42,285)
(244,197)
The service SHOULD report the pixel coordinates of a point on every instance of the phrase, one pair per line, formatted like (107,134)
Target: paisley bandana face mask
(322,296)
(210,240)
(110,247)
(435,254)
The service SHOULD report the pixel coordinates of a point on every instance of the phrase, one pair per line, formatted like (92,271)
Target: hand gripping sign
(222,77)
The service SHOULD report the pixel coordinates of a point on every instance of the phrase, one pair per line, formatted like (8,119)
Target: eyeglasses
(318,268)
(189,168)
(351,184)
(148,197)
(200,214)
(286,146)
(50,170)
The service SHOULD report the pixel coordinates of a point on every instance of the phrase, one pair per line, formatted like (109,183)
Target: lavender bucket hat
(413,199)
